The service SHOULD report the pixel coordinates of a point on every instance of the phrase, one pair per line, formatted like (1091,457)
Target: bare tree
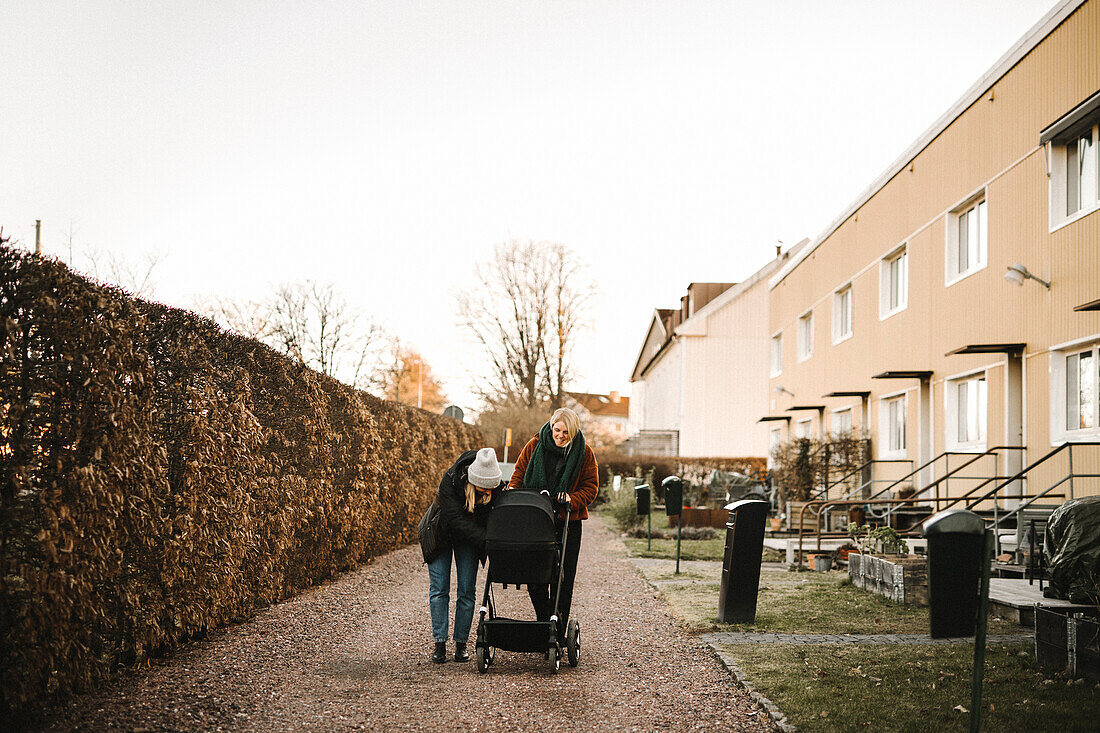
(251,318)
(526,307)
(133,274)
(313,323)
(571,294)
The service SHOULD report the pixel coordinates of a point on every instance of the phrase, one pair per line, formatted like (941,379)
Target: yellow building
(952,312)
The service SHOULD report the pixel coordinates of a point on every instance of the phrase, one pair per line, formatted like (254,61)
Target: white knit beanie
(485,471)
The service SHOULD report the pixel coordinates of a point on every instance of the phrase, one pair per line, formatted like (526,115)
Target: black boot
(461,655)
(439,656)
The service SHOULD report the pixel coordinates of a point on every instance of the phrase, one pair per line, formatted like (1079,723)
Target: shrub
(802,465)
(160,477)
(622,508)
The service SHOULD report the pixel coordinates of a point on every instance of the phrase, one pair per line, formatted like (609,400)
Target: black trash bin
(741,561)
(641,495)
(674,496)
(956,549)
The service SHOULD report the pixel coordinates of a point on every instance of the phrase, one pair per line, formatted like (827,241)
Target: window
(966,400)
(1080,173)
(967,240)
(777,355)
(1075,393)
(806,336)
(893,425)
(1073,162)
(802,429)
(842,422)
(894,282)
(1081,378)
(842,314)
(775,438)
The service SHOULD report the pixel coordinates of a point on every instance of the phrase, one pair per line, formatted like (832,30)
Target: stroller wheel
(482,659)
(573,642)
(555,659)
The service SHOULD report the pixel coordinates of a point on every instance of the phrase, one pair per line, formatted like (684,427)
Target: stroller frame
(495,632)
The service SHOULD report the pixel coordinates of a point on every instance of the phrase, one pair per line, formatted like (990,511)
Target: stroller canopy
(520,538)
(521,517)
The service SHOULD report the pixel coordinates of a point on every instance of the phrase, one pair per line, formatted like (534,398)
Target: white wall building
(699,372)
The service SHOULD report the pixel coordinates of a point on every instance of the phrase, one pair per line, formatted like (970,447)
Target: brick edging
(762,702)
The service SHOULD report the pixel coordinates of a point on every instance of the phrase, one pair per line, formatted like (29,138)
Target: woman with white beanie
(465,494)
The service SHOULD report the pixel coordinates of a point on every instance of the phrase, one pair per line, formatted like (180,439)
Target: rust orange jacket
(584,488)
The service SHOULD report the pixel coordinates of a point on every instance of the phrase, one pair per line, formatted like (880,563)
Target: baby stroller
(523,550)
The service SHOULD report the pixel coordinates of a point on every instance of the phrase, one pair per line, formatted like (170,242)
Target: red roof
(603,405)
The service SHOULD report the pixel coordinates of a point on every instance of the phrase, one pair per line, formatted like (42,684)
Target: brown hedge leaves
(160,477)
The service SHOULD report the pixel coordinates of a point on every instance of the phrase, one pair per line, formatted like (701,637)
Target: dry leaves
(160,477)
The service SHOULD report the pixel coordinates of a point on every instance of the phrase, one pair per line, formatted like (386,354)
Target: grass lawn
(689,549)
(865,687)
(789,602)
(666,549)
(913,688)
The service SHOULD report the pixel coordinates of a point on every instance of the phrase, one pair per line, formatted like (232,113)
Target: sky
(387,146)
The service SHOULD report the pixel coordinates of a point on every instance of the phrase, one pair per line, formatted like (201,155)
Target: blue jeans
(439,591)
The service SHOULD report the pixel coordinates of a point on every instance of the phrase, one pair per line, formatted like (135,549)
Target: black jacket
(456,525)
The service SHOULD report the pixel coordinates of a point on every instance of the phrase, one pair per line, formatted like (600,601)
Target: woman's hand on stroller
(563,499)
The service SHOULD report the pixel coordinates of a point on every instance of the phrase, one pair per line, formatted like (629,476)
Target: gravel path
(353,655)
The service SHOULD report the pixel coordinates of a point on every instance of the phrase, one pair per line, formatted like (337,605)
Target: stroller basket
(520,539)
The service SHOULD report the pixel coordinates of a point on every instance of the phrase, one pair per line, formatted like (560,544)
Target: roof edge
(654,318)
(740,288)
(1036,34)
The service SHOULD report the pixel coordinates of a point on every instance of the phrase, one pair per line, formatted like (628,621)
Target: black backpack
(428,532)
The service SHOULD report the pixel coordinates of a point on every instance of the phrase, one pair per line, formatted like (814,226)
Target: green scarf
(541,473)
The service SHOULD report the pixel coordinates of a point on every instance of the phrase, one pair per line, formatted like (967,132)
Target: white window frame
(833,428)
(806,335)
(975,211)
(975,386)
(843,317)
(1059,156)
(775,439)
(1059,356)
(886,290)
(777,354)
(804,428)
(886,429)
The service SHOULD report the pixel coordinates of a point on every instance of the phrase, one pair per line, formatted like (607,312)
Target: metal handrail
(965,495)
(1045,492)
(860,469)
(943,479)
(945,454)
(836,502)
(1022,474)
(1027,499)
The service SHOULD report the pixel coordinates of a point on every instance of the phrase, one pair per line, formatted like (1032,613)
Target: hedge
(160,477)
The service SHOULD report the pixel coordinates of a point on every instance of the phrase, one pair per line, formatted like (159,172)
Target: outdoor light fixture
(780,389)
(1017,273)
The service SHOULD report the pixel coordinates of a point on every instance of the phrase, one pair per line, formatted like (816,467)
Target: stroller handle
(561,564)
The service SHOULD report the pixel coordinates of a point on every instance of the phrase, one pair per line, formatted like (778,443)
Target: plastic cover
(1073,546)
